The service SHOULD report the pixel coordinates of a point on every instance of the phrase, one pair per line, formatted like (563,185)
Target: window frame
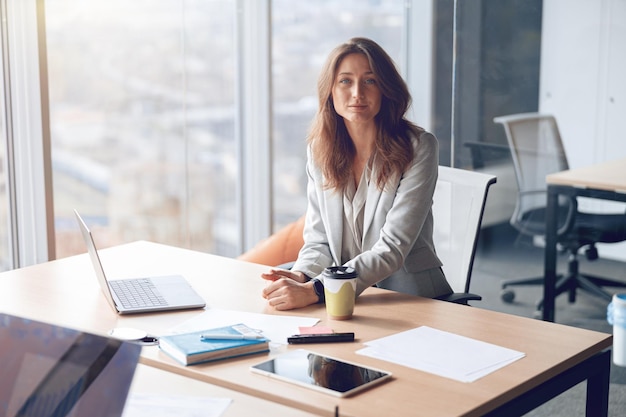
(253,120)
(29,171)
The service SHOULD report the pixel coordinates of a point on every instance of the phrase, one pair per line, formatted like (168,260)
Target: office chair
(536,149)
(458,207)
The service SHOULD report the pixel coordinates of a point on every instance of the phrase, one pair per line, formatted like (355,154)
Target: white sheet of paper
(441,353)
(159,405)
(276,328)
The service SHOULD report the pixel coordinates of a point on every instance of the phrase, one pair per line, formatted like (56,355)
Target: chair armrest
(459,297)
(482,152)
(568,207)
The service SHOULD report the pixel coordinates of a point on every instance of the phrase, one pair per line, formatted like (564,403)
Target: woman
(371,179)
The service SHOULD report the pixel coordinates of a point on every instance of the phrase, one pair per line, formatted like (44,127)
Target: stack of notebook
(214,344)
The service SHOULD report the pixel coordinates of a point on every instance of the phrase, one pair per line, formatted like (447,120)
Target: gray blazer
(398,249)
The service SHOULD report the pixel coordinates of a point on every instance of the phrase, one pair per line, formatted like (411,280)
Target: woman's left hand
(287,290)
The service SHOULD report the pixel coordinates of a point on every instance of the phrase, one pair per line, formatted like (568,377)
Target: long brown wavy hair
(331,146)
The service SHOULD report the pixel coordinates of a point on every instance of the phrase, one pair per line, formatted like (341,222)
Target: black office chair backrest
(536,150)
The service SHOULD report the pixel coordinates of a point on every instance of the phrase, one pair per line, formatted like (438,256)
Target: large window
(142,109)
(142,121)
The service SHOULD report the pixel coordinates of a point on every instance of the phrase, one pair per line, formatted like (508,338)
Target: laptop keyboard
(139,292)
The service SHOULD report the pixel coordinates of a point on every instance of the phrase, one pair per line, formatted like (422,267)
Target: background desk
(605,181)
(557,357)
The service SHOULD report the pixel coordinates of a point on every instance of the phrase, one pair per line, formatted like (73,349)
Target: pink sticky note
(315,330)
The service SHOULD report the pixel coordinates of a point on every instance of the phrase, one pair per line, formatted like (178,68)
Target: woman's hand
(276,274)
(288,290)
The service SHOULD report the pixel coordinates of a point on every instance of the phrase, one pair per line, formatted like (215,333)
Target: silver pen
(229,336)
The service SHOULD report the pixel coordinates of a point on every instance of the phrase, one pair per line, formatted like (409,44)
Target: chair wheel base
(507,296)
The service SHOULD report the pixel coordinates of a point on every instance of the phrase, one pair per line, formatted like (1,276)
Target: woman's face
(356,95)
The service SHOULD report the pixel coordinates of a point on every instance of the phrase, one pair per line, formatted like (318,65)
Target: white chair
(458,206)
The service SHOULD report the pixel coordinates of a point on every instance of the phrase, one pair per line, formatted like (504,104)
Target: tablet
(321,373)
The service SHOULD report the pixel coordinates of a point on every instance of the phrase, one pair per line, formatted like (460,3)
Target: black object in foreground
(321,338)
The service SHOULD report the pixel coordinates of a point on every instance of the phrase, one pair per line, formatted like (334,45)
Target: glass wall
(494,71)
(142,121)
(303,34)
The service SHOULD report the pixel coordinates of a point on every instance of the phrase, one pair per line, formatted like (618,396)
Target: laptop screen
(47,370)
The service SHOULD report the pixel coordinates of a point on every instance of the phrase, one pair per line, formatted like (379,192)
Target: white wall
(583,83)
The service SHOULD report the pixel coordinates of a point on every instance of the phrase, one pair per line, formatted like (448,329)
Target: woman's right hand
(275,274)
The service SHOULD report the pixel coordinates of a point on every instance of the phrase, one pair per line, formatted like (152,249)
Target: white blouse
(353,215)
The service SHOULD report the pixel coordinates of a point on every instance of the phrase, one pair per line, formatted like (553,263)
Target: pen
(229,336)
(321,338)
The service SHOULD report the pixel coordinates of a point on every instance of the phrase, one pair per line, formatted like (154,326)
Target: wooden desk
(605,181)
(557,357)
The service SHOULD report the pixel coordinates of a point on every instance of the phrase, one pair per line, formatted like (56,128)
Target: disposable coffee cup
(616,315)
(340,291)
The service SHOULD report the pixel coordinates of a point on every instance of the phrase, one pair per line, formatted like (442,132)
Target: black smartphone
(321,338)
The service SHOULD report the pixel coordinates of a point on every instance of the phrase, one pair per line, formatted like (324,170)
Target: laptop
(49,370)
(141,295)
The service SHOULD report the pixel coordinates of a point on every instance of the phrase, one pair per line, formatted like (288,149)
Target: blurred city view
(143,112)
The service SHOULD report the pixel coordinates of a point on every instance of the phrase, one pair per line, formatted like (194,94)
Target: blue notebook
(196,347)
